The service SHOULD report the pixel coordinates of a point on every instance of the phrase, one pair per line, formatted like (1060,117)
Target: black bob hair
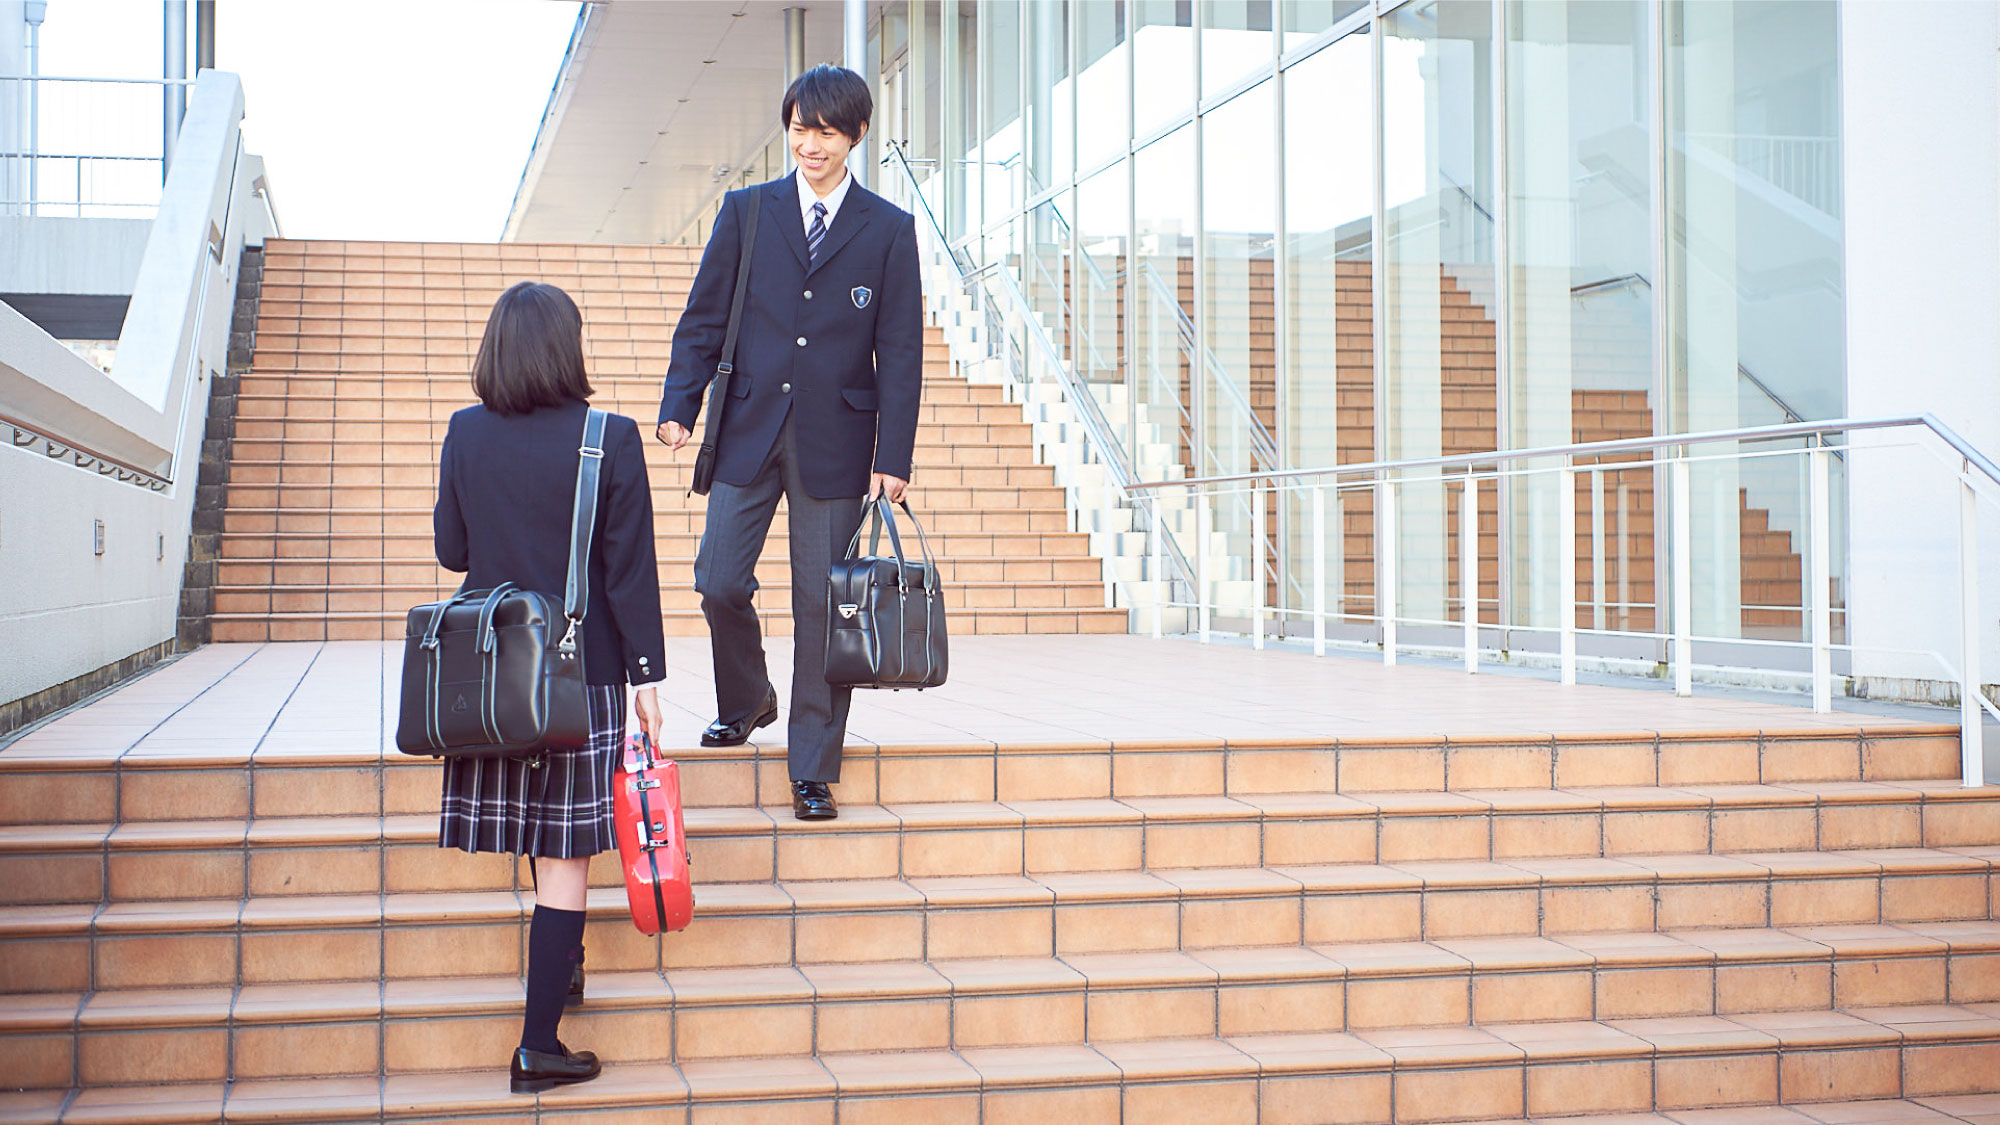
(829,97)
(532,354)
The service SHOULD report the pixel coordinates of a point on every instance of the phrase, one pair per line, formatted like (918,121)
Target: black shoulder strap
(583,523)
(718,397)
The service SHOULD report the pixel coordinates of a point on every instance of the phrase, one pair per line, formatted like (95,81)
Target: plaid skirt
(558,807)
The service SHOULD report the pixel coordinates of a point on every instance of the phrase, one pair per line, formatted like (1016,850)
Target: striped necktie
(815,234)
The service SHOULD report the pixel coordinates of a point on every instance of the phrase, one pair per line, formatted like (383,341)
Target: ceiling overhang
(656,106)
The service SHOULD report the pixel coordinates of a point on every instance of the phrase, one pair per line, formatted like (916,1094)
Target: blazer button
(786,389)
(809,294)
(802,341)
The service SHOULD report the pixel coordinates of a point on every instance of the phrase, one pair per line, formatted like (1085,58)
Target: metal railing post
(1106,525)
(1468,568)
(1385,568)
(1158,576)
(1600,614)
(1319,570)
(1201,523)
(1680,562)
(1566,567)
(1819,579)
(1971,743)
(1258,554)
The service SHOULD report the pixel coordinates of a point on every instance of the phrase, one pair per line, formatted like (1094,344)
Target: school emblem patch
(862,295)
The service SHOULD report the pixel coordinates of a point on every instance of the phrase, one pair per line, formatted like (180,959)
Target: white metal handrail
(1675,455)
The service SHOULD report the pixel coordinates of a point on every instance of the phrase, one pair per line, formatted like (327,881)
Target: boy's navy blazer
(841,343)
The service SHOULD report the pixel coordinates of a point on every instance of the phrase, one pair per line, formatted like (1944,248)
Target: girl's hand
(646,701)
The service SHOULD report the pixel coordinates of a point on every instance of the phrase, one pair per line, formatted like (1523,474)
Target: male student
(822,410)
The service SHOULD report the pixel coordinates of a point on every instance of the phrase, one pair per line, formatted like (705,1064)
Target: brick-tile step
(298,938)
(1823,1069)
(232,600)
(143,860)
(361,773)
(366,626)
(949,485)
(1013,513)
(682,1015)
(423,571)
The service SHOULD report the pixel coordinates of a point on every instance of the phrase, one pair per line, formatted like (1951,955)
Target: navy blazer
(842,343)
(506,486)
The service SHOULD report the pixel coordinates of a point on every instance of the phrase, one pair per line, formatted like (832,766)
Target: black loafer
(737,733)
(575,996)
(812,800)
(535,1071)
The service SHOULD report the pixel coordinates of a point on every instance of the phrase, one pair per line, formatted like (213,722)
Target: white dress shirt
(807,197)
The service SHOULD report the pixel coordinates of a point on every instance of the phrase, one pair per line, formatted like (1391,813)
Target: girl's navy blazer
(506,486)
(842,343)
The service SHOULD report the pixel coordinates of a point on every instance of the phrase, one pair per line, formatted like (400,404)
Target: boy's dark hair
(829,97)
(532,353)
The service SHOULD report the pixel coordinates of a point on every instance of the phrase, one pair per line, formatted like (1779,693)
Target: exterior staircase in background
(364,350)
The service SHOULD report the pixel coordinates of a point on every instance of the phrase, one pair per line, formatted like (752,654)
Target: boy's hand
(886,485)
(673,434)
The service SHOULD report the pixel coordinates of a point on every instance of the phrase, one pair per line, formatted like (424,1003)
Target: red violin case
(652,841)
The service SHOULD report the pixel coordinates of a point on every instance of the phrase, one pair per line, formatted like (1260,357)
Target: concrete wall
(56,255)
(1921,105)
(64,610)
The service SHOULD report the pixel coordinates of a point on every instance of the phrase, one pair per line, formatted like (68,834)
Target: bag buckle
(645,783)
(848,610)
(590,451)
(568,643)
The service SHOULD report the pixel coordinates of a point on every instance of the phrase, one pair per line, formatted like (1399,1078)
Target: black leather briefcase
(499,673)
(885,623)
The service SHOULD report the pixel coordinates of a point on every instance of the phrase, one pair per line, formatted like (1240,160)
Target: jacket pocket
(739,386)
(859,398)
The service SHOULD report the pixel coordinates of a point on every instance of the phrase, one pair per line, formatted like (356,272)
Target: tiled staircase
(217,876)
(363,351)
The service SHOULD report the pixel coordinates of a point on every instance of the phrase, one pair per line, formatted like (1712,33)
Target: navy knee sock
(555,943)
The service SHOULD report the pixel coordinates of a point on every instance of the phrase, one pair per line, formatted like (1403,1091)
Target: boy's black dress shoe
(535,1071)
(737,733)
(812,800)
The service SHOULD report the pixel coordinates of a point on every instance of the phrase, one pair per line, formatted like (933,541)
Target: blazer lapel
(784,195)
(854,212)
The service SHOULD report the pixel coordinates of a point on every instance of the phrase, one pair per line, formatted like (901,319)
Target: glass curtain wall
(1001,157)
(1051,107)
(1580,268)
(965,179)
(1342,224)
(1102,84)
(1235,42)
(1437,287)
(1306,19)
(1162,300)
(1754,284)
(1328,317)
(1103,228)
(1163,81)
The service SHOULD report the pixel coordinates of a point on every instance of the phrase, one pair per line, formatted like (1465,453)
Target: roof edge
(581,38)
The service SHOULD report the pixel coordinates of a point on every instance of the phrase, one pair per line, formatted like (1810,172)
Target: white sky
(379,121)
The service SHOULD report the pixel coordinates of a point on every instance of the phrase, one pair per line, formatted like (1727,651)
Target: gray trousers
(739,519)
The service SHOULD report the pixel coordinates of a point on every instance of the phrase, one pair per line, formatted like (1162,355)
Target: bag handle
(881,512)
(718,398)
(583,525)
